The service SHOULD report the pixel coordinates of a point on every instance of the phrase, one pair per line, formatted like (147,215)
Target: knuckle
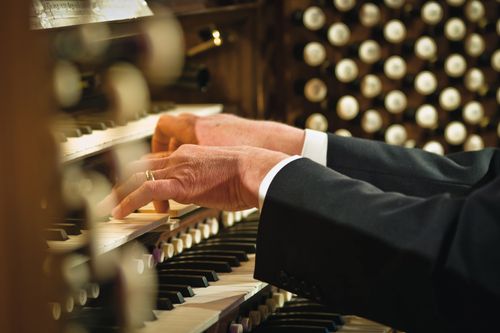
(177,190)
(137,177)
(149,187)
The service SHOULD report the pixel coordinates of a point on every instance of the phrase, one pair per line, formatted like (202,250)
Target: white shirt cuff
(315,146)
(266,182)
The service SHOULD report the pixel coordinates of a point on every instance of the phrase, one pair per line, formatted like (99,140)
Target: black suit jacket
(401,236)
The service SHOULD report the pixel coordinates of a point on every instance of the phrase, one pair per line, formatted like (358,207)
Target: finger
(148,191)
(106,205)
(152,156)
(145,164)
(173,145)
(122,190)
(161,206)
(181,128)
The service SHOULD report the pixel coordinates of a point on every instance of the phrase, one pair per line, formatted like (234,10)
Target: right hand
(226,178)
(225,130)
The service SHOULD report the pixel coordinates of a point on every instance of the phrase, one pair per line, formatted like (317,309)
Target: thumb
(181,128)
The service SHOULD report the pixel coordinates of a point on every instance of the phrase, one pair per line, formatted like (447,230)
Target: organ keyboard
(99,140)
(195,264)
(236,298)
(111,234)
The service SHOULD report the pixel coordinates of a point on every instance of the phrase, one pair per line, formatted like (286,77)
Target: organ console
(412,73)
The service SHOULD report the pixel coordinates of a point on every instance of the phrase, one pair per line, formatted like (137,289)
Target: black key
(245,226)
(328,324)
(219,267)
(192,280)
(79,222)
(149,316)
(250,229)
(104,118)
(228,239)
(336,318)
(96,125)
(70,228)
(85,129)
(53,234)
(255,216)
(70,132)
(185,290)
(157,108)
(239,234)
(98,316)
(312,309)
(300,300)
(175,296)
(232,261)
(241,255)
(248,248)
(210,275)
(60,137)
(290,329)
(164,304)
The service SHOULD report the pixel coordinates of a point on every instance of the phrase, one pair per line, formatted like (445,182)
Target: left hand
(226,178)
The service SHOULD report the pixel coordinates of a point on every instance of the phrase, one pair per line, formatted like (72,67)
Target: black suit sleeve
(410,171)
(417,264)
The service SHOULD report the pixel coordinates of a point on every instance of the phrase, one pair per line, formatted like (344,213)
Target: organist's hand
(226,178)
(225,130)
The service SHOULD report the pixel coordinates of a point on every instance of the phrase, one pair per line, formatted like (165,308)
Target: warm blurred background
(83,83)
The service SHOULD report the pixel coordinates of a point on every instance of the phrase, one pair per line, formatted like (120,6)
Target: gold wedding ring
(149,175)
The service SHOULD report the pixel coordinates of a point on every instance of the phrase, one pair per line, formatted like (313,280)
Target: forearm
(410,171)
(364,251)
